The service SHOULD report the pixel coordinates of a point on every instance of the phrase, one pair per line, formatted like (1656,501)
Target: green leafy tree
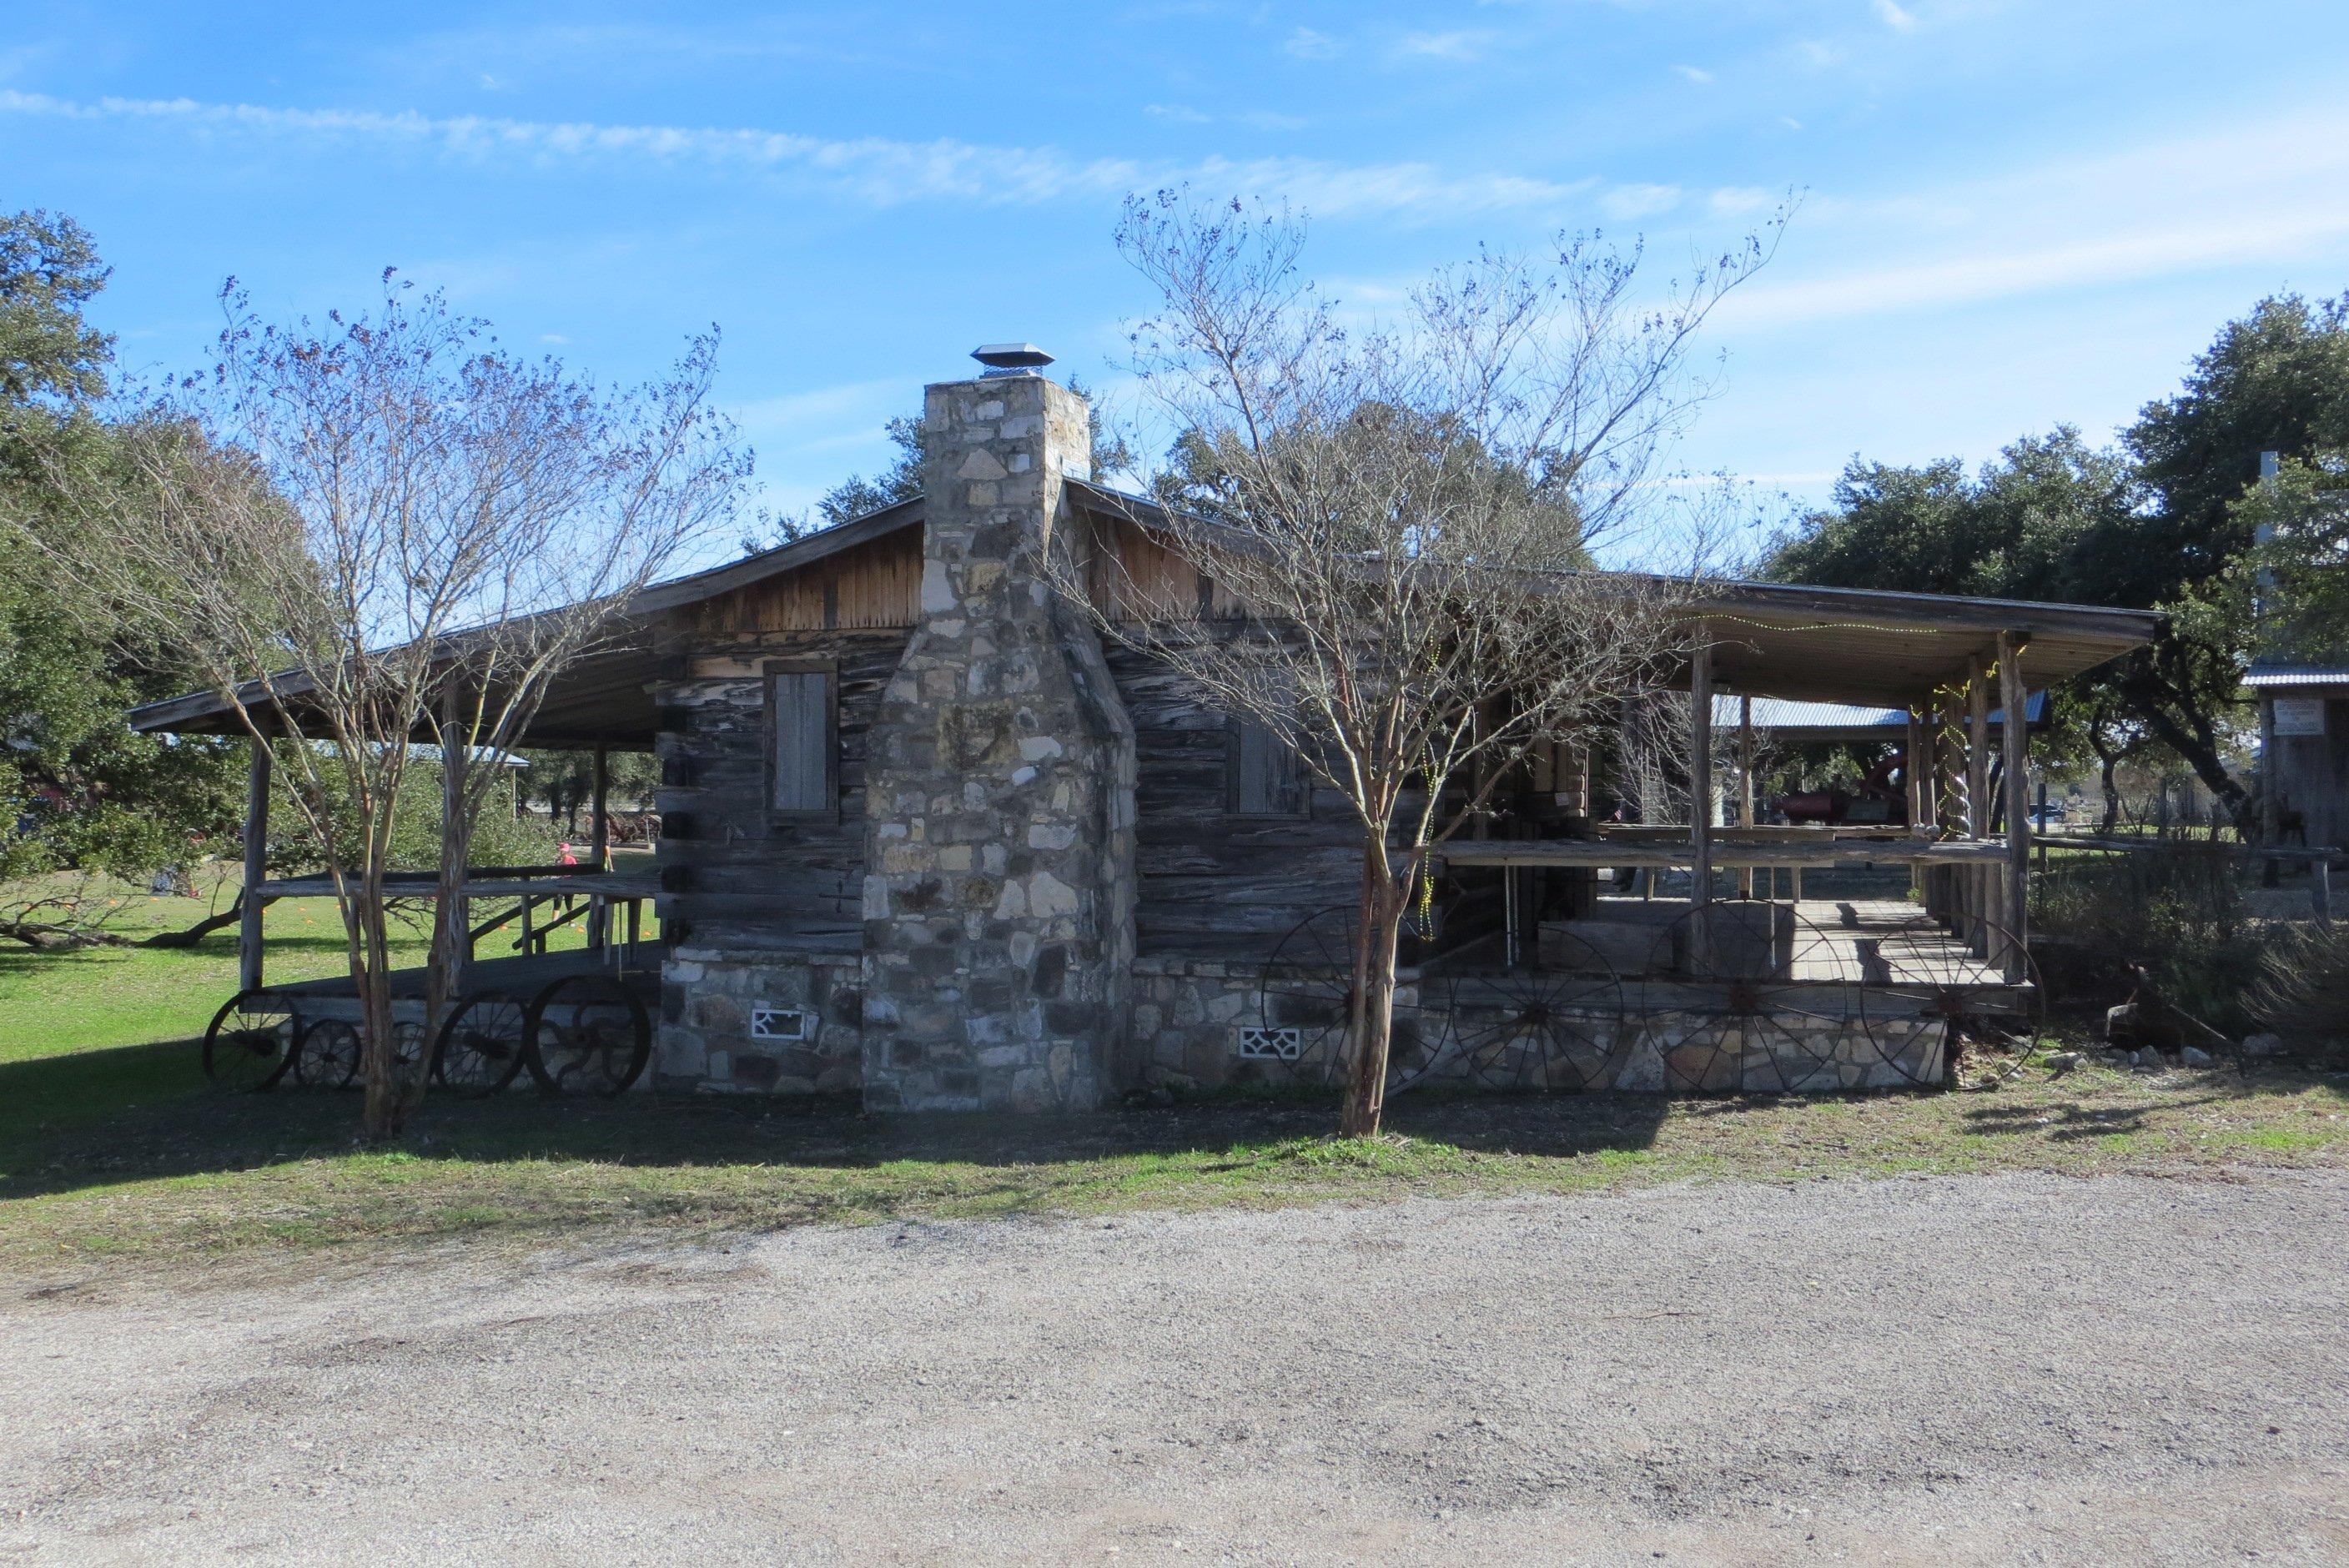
(81,790)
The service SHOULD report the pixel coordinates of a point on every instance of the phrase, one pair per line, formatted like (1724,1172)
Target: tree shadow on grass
(101,1117)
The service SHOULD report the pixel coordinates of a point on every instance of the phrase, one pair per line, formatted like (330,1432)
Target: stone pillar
(998,888)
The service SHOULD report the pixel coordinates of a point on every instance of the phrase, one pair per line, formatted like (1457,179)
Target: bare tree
(369,531)
(1401,526)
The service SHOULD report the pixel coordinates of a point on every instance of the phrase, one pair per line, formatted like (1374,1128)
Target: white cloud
(1625,202)
(1891,14)
(1696,73)
(1459,47)
(1308,45)
(2269,196)
(871,170)
(1180,113)
(1736,200)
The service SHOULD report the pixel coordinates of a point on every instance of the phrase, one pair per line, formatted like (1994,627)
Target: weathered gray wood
(802,756)
(256,868)
(599,843)
(1701,770)
(2016,733)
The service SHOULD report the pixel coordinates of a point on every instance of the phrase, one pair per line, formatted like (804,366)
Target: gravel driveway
(1986,1369)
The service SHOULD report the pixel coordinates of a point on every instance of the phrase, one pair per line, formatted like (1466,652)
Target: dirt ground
(2009,1369)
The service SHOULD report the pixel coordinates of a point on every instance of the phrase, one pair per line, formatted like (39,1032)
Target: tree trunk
(387,1100)
(1377,928)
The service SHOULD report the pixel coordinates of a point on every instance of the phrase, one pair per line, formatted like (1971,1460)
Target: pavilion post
(1978,793)
(256,869)
(1918,792)
(1745,783)
(599,913)
(2017,736)
(1701,772)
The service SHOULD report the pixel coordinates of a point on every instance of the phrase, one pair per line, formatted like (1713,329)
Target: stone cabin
(925,839)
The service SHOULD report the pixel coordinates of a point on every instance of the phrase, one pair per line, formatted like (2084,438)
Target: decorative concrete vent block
(781,1023)
(1259,1043)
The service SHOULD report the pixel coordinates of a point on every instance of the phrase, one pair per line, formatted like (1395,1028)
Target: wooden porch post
(256,869)
(599,843)
(1701,770)
(1979,878)
(1912,775)
(2017,736)
(1745,783)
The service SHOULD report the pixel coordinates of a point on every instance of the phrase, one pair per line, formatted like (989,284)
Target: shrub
(2177,908)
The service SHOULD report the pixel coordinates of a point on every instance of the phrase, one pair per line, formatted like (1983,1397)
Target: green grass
(112,1150)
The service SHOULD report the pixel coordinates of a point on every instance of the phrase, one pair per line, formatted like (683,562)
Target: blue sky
(2016,214)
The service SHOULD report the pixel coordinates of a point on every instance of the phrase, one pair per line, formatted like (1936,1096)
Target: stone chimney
(999,889)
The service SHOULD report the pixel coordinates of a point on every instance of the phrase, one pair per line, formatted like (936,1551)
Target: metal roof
(1790,720)
(2263,676)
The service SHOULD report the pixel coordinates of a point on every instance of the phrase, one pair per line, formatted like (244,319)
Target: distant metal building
(2304,751)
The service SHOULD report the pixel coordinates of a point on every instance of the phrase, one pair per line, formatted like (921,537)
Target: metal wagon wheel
(1747,994)
(251,1041)
(329,1057)
(1927,991)
(407,1050)
(480,1047)
(587,1033)
(1306,985)
(1557,1026)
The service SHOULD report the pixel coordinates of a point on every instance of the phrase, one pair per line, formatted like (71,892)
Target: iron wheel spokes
(329,1057)
(587,1033)
(1929,990)
(1554,1028)
(1768,995)
(480,1047)
(251,1041)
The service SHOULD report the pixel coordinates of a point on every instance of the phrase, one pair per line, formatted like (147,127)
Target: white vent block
(781,1023)
(1259,1042)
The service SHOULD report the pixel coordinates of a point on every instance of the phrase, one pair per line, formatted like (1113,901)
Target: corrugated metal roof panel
(2296,675)
(1785,713)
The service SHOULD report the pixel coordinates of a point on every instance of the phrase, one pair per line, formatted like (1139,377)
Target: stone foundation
(707,1000)
(1189,1014)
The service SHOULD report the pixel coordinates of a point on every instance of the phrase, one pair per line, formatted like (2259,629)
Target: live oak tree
(374,530)
(84,794)
(1404,517)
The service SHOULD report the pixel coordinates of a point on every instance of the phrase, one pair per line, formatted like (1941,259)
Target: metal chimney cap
(1011,356)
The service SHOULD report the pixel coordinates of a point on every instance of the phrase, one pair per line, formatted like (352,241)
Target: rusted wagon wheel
(1927,991)
(1744,995)
(1305,997)
(329,1057)
(480,1047)
(587,1033)
(1557,1026)
(251,1041)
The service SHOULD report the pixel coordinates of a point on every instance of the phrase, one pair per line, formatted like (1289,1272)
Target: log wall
(736,874)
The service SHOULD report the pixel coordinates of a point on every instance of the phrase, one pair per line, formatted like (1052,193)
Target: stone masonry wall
(1189,1016)
(706,998)
(999,892)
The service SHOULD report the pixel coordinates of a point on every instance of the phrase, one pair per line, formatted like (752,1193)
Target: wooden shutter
(802,739)
(1266,778)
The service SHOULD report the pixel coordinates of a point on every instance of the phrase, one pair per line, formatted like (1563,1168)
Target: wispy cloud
(1459,46)
(1893,16)
(1625,202)
(875,170)
(1308,45)
(1696,73)
(2268,195)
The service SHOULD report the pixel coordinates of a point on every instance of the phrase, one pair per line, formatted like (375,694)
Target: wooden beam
(1700,769)
(1745,781)
(599,842)
(256,869)
(2016,734)
(1977,749)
